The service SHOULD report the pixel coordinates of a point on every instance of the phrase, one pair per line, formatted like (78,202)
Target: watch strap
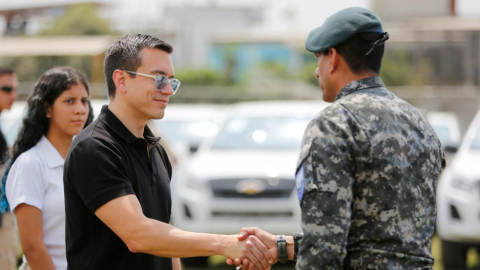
(297,236)
(282,248)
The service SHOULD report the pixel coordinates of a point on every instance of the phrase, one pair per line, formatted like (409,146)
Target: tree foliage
(201,77)
(79,20)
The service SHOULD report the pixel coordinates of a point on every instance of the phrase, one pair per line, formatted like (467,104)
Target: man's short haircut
(6,71)
(354,49)
(124,54)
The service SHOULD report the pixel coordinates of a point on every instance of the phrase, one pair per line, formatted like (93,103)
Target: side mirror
(193,148)
(451,149)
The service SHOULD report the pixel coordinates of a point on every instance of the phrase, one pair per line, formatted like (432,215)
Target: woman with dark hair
(58,109)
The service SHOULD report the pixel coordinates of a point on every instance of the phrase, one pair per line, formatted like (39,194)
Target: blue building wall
(244,57)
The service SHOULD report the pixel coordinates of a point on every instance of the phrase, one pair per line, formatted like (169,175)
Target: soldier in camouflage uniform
(369,163)
(366,180)
(367,172)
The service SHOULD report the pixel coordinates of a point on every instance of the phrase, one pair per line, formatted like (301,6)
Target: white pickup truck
(458,201)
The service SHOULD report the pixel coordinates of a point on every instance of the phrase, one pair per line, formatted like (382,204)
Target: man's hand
(269,240)
(251,249)
(125,218)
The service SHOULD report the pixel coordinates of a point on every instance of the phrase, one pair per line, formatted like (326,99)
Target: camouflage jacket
(366,181)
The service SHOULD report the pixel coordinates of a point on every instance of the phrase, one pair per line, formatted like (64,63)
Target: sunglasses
(7,89)
(160,81)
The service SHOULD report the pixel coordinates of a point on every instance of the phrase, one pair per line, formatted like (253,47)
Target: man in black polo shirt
(117,175)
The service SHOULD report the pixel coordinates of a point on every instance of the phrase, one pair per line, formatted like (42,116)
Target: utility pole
(452,8)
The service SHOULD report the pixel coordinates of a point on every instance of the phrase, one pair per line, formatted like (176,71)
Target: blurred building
(191,30)
(27,18)
(23,20)
(430,31)
(246,53)
(400,10)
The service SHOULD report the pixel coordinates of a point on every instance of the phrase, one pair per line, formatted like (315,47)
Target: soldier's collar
(370,82)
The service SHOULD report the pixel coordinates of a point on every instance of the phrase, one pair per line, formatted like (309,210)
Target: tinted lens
(7,89)
(161,82)
(175,84)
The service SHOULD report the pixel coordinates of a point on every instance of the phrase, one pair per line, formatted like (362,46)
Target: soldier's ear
(334,60)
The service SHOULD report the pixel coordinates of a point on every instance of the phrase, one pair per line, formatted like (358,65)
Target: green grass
(473,260)
(437,253)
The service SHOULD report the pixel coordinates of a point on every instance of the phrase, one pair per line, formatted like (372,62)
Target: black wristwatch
(296,242)
(282,248)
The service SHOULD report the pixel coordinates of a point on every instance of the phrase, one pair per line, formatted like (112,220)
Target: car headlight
(194,183)
(458,182)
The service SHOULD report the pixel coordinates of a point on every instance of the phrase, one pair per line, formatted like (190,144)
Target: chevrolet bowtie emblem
(251,186)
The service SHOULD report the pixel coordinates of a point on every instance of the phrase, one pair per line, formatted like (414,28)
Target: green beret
(341,26)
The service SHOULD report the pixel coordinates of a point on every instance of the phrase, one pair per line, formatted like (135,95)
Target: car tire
(201,262)
(454,255)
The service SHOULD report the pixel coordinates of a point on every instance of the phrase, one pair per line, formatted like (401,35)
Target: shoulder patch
(300,180)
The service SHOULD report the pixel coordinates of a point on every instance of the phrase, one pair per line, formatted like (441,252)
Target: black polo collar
(112,121)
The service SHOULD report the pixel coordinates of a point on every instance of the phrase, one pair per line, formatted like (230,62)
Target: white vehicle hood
(237,164)
(466,165)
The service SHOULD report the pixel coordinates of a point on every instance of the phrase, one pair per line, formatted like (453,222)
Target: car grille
(221,214)
(228,189)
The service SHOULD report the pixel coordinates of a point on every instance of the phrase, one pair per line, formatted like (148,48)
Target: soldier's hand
(269,240)
(251,248)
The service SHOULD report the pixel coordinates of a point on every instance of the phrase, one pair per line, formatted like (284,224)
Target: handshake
(260,250)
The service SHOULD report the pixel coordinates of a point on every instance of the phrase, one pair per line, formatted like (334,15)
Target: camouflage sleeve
(330,147)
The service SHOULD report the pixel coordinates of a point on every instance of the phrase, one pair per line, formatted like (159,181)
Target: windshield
(443,133)
(278,133)
(186,131)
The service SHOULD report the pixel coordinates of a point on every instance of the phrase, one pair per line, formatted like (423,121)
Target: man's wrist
(222,244)
(290,247)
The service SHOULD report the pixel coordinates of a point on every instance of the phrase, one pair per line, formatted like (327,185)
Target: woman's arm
(30,229)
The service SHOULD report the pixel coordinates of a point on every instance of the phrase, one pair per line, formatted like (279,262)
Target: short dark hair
(124,53)
(5,70)
(354,49)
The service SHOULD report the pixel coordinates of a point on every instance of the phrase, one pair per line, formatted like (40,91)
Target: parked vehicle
(185,126)
(447,129)
(458,194)
(245,174)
